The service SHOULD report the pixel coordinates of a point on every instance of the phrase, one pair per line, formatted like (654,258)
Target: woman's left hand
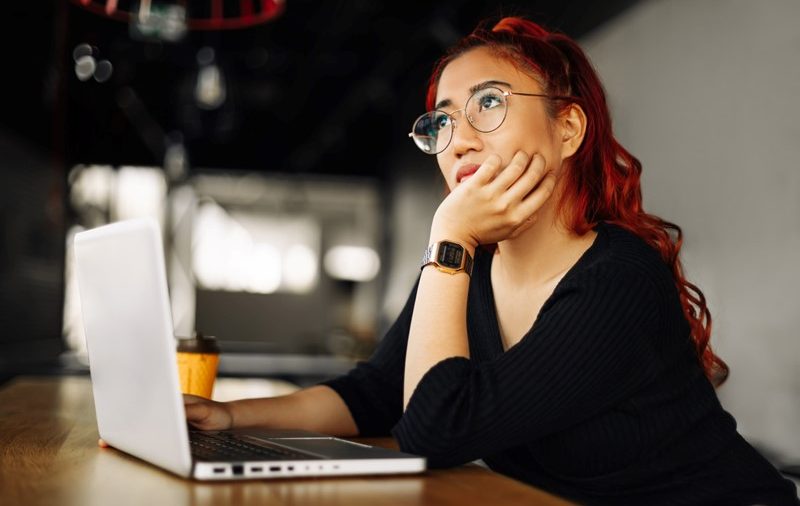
(496,203)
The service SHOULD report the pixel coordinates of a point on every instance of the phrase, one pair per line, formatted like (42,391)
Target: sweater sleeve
(373,390)
(584,353)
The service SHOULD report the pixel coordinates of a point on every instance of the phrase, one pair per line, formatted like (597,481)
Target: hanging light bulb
(87,64)
(209,91)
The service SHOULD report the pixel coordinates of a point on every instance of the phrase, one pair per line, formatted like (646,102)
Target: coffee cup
(198,358)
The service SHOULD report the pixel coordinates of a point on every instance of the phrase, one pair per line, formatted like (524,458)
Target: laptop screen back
(129,334)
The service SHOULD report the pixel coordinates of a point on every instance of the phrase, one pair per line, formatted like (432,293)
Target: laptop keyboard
(228,446)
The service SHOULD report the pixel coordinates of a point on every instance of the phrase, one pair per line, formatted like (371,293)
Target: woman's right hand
(497,203)
(206,414)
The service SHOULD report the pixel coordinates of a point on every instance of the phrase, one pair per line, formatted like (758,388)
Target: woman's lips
(466,171)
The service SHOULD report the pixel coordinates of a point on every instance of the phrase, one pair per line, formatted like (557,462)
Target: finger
(536,171)
(512,172)
(102,444)
(536,198)
(196,412)
(488,169)
(192,399)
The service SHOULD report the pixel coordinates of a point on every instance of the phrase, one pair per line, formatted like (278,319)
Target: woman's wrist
(255,412)
(452,234)
(232,408)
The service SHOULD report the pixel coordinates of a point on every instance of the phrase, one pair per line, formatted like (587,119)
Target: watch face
(450,254)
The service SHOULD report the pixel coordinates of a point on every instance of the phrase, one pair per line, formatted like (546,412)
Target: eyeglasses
(485,110)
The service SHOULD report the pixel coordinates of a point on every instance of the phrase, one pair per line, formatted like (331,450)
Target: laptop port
(274,468)
(219,470)
(238,469)
(290,468)
(257,469)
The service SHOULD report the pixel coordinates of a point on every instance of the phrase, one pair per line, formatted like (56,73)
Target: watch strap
(467,262)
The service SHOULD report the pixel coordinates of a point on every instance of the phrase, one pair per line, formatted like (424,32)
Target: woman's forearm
(318,408)
(495,203)
(438,326)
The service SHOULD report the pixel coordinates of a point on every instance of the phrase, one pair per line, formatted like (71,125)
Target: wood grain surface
(49,456)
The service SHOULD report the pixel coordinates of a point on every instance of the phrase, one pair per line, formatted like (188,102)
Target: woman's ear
(572,123)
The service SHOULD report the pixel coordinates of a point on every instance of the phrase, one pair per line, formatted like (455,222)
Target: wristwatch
(449,257)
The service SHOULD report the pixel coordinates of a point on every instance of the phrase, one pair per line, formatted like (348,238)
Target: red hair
(603,179)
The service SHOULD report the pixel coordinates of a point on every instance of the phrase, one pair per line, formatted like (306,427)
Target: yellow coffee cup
(198,358)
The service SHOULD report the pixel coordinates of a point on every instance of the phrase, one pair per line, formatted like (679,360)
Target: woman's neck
(542,253)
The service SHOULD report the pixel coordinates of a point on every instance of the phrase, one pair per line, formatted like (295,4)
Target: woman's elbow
(441,448)
(436,457)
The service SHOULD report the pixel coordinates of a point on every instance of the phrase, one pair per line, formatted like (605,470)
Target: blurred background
(269,138)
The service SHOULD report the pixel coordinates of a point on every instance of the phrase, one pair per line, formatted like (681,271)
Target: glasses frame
(504,93)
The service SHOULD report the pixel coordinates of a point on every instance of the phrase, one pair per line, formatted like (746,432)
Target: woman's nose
(465,138)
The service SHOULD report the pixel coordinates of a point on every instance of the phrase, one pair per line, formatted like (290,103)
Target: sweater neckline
(485,278)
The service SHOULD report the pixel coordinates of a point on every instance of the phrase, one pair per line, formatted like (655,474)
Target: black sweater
(603,401)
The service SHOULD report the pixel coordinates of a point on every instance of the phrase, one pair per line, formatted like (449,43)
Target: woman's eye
(489,101)
(441,122)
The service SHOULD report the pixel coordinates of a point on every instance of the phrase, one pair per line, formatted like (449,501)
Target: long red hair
(603,180)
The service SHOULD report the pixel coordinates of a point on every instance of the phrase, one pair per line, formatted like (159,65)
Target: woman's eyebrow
(480,86)
(488,84)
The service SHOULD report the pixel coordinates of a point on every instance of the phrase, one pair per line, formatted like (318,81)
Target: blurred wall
(415,189)
(707,95)
(31,257)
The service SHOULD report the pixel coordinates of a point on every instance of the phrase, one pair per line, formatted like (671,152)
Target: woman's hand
(496,203)
(206,414)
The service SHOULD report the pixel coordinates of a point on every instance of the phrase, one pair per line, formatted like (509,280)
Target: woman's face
(527,126)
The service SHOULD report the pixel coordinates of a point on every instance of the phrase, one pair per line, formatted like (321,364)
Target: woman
(551,333)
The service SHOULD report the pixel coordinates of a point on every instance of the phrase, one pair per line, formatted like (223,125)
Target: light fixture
(210,89)
(169,20)
(352,263)
(88,64)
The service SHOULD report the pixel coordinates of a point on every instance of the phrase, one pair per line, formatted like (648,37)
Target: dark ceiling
(328,87)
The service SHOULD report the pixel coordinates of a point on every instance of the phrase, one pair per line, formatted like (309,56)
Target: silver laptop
(132,360)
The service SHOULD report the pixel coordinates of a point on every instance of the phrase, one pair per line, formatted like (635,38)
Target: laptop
(132,360)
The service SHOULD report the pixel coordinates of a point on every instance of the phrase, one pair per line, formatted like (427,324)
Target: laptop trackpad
(334,448)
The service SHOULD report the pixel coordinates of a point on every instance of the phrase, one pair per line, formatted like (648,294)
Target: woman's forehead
(477,66)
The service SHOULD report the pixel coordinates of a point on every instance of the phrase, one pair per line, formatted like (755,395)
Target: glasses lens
(432,132)
(486,109)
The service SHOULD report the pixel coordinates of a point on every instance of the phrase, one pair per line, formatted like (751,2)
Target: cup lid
(198,343)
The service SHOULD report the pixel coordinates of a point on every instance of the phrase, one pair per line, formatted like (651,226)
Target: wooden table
(49,456)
